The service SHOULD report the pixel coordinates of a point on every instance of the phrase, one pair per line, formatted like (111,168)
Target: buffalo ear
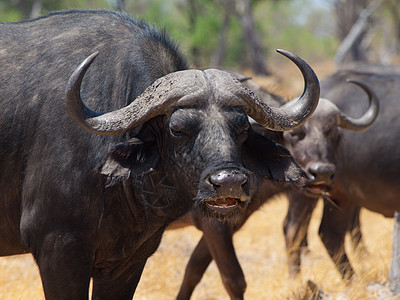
(276,136)
(132,157)
(267,158)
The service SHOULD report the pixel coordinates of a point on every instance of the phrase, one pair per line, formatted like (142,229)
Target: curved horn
(151,103)
(78,111)
(168,89)
(294,113)
(369,117)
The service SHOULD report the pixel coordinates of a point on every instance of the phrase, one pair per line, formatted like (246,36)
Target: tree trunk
(251,37)
(396,18)
(217,58)
(394,276)
(351,43)
(118,4)
(192,12)
(25,8)
(36,8)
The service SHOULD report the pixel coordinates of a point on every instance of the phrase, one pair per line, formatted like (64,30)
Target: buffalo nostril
(313,173)
(215,179)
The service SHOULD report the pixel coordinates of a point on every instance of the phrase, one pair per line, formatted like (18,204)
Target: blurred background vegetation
(244,33)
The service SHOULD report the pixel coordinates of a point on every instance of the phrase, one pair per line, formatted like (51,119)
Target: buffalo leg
(220,243)
(335,222)
(65,269)
(355,229)
(216,244)
(356,234)
(295,227)
(197,265)
(121,288)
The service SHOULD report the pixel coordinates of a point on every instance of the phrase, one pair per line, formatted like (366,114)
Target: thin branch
(356,30)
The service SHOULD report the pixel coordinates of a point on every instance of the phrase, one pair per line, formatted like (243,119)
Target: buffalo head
(194,125)
(314,144)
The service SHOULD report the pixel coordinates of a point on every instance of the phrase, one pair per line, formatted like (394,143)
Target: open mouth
(317,189)
(223,204)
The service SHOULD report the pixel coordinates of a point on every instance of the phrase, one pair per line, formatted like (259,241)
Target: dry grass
(261,251)
(286,79)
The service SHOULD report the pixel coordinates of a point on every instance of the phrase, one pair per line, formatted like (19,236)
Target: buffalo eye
(178,133)
(245,128)
(239,122)
(332,133)
(183,124)
(243,132)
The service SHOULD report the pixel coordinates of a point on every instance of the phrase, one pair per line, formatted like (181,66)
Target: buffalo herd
(108,138)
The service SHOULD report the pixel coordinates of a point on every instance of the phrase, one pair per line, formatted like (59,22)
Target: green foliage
(196,25)
(293,26)
(235,46)
(205,31)
(9,13)
(306,44)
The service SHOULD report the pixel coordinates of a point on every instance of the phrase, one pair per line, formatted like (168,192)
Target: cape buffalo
(350,169)
(94,202)
(216,243)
